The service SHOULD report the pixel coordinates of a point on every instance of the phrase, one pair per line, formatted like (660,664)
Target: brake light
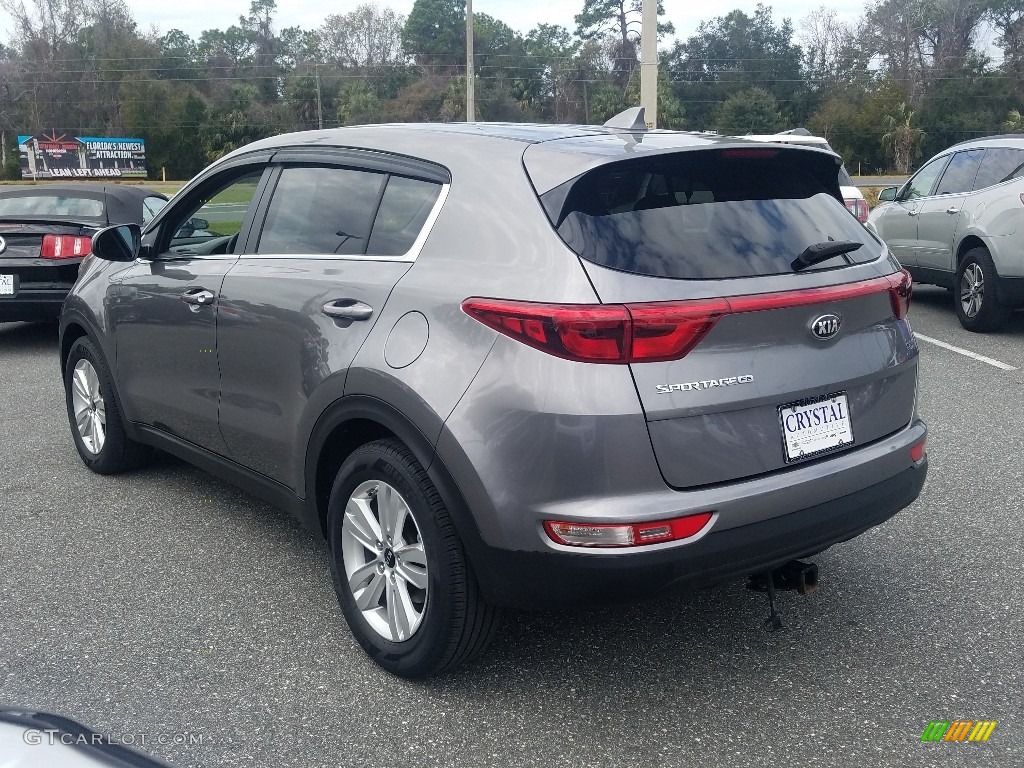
(655,331)
(626,534)
(858,207)
(65,247)
(901,289)
(749,154)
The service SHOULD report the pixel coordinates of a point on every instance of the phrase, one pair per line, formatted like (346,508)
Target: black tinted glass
(321,210)
(1000,164)
(403,211)
(706,218)
(960,173)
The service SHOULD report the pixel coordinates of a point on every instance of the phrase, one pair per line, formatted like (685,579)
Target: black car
(46,231)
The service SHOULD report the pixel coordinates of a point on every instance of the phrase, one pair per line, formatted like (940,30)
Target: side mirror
(887,195)
(196,223)
(120,243)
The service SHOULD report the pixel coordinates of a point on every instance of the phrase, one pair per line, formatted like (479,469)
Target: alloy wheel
(972,289)
(89,407)
(385,563)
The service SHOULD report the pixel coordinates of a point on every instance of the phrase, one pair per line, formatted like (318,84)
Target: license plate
(810,427)
(6,285)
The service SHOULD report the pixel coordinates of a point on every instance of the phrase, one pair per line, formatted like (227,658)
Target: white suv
(852,196)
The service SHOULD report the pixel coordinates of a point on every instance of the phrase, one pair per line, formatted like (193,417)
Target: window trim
(408,257)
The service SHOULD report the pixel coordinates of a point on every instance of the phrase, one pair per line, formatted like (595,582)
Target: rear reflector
(626,534)
(65,247)
(656,331)
(917,452)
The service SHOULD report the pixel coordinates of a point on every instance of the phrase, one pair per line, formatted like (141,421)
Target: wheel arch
(969,243)
(355,420)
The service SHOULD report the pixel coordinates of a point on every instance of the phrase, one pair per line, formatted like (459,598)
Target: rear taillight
(65,247)
(900,291)
(858,207)
(626,534)
(917,452)
(656,331)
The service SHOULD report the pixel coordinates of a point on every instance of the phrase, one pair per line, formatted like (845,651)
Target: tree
(619,19)
(435,32)
(901,138)
(733,53)
(370,36)
(751,111)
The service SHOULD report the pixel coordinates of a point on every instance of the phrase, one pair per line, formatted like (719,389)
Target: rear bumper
(552,579)
(29,304)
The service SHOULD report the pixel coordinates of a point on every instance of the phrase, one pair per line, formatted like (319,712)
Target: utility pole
(470,75)
(319,99)
(649,61)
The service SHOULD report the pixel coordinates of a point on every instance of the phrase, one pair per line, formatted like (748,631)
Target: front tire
(399,568)
(96,421)
(977,293)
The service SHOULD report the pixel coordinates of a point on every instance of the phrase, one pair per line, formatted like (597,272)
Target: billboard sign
(62,155)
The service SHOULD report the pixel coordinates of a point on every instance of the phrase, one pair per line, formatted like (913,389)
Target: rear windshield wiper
(822,252)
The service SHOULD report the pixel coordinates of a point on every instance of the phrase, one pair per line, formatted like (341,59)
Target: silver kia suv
(511,365)
(959,223)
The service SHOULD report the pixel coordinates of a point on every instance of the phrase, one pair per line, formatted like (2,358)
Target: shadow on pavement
(29,337)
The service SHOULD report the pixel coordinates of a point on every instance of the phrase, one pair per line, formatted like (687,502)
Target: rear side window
(701,216)
(321,210)
(403,211)
(959,174)
(51,205)
(1000,164)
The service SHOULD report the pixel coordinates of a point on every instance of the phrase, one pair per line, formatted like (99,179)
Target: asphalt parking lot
(166,602)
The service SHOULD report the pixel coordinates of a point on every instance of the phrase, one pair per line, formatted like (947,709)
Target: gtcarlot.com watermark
(54,736)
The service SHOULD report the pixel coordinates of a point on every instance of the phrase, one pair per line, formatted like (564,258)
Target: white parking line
(965,352)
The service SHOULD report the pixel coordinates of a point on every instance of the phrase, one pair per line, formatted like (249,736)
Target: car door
(164,309)
(939,215)
(898,224)
(335,238)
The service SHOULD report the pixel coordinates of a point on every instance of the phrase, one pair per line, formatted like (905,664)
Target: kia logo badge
(825,326)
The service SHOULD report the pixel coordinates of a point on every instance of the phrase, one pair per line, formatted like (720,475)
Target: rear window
(1000,164)
(51,205)
(701,216)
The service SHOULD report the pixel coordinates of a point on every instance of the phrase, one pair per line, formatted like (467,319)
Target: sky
(193,16)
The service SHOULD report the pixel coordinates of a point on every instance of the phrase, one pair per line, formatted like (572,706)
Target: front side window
(211,225)
(151,207)
(922,182)
(959,175)
(321,210)
(1000,164)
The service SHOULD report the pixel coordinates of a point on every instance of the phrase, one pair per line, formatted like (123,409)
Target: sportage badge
(825,326)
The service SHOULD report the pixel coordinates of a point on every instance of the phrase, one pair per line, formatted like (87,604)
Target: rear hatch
(751,365)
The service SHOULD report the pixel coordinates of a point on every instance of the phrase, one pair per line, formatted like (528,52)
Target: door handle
(348,309)
(951,211)
(912,213)
(199,297)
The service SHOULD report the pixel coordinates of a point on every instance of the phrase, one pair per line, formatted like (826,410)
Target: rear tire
(96,422)
(411,600)
(976,293)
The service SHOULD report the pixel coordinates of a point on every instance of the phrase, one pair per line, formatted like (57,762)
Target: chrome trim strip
(408,257)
